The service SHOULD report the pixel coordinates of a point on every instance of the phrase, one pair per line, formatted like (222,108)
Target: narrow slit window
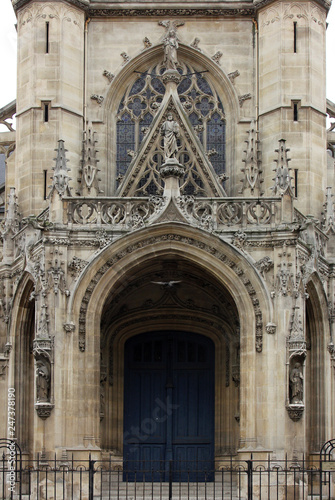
(45,174)
(295,111)
(295,37)
(47,38)
(296,182)
(46,112)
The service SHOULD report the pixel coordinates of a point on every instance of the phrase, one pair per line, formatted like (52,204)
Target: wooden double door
(169,407)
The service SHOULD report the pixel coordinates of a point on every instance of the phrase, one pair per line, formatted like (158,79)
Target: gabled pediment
(143,175)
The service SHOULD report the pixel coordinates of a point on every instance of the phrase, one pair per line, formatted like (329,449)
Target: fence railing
(114,479)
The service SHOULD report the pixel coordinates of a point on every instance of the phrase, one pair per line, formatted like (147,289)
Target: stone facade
(217,220)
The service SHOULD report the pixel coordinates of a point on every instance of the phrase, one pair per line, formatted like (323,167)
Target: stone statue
(42,381)
(296,384)
(170,50)
(170,131)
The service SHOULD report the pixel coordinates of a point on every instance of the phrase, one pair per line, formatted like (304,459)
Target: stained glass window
(136,112)
(125,138)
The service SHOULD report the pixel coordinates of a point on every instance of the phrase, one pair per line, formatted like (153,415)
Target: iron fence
(113,479)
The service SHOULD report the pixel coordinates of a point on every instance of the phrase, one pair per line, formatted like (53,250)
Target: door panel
(169,406)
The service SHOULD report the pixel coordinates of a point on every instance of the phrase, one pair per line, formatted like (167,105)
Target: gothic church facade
(168,245)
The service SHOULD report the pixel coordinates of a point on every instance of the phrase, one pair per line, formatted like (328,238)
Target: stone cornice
(166,9)
(230,10)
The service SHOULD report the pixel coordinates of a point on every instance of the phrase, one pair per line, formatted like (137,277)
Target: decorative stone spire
(12,218)
(60,180)
(43,328)
(252,170)
(283,184)
(328,221)
(10,226)
(89,181)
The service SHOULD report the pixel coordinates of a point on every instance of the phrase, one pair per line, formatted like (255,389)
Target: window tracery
(135,115)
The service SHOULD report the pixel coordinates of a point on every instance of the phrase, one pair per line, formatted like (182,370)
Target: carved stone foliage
(195,44)
(60,180)
(264,265)
(76,265)
(147,43)
(243,98)
(98,98)
(239,239)
(271,328)
(110,77)
(233,75)
(189,241)
(217,56)
(170,12)
(283,179)
(125,57)
(251,182)
(89,180)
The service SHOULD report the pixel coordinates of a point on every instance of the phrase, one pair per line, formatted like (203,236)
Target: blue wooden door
(169,407)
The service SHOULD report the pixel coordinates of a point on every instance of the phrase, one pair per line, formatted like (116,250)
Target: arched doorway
(170,304)
(169,406)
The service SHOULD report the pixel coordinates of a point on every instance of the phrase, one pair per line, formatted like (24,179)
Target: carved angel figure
(170,131)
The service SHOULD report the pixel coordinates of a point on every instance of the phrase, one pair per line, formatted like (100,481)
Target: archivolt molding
(173,236)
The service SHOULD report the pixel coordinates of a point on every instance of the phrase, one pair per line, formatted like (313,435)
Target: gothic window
(140,104)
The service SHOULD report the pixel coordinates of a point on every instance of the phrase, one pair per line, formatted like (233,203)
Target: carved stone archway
(125,260)
(170,295)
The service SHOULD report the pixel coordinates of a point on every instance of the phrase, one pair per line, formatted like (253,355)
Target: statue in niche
(170,50)
(170,131)
(296,384)
(42,381)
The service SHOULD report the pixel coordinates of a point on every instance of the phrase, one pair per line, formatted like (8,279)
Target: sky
(8,53)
